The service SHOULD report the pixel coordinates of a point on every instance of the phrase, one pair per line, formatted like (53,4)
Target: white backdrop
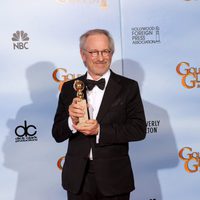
(152,38)
(159,171)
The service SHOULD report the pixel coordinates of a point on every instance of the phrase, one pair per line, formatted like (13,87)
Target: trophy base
(85,117)
(80,125)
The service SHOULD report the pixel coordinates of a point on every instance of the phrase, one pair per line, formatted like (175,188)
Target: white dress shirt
(94,99)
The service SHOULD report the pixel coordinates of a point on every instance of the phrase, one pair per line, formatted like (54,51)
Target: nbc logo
(20,40)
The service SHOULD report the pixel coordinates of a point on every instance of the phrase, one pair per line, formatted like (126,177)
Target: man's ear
(82,55)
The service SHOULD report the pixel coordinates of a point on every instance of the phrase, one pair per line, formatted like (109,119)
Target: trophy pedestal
(85,117)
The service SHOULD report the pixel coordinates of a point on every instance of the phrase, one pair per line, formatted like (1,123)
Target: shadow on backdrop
(158,151)
(35,161)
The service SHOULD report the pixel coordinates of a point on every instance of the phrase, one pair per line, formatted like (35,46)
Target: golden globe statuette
(79,87)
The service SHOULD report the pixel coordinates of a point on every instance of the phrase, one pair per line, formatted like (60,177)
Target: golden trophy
(79,87)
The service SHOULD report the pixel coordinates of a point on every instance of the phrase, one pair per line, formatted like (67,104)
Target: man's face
(97,55)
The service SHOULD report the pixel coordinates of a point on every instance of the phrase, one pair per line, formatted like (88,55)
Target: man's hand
(75,111)
(90,127)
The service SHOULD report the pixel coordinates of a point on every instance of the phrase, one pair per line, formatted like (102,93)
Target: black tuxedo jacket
(121,118)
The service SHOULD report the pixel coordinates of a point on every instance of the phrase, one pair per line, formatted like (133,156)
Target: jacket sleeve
(132,127)
(60,129)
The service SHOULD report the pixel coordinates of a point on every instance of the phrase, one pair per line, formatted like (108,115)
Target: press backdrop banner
(157,44)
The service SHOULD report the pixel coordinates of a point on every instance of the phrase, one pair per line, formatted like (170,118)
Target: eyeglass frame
(105,51)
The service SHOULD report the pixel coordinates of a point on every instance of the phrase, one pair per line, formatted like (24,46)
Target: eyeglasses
(95,53)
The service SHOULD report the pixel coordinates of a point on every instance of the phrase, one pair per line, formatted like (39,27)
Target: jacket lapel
(112,89)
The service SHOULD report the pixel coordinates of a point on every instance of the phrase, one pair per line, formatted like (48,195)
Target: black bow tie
(91,83)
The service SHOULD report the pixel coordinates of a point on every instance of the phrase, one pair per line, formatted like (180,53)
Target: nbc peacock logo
(20,40)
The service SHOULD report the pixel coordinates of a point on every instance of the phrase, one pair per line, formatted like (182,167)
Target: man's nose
(100,55)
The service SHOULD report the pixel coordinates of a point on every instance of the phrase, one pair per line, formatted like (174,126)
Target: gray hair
(84,37)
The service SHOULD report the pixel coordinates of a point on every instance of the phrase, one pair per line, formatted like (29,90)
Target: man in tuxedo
(97,165)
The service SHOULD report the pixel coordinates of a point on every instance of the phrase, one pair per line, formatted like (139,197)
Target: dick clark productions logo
(25,133)
(20,40)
